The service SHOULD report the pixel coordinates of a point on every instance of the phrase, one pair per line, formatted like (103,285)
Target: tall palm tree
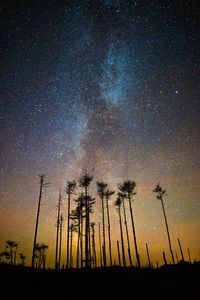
(118,203)
(128,188)
(84,181)
(101,190)
(70,187)
(126,226)
(108,194)
(160,193)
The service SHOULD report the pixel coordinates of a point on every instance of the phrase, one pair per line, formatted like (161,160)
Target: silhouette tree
(15,252)
(79,214)
(108,194)
(160,193)
(60,243)
(118,251)
(70,187)
(11,245)
(182,256)
(22,257)
(148,256)
(42,185)
(94,257)
(128,189)
(40,255)
(84,181)
(57,231)
(72,228)
(118,203)
(126,226)
(100,246)
(6,255)
(101,190)
(44,249)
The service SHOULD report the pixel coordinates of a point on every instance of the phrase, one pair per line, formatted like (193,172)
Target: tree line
(79,222)
(81,252)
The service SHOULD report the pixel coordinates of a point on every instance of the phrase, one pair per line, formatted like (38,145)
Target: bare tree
(60,242)
(126,226)
(160,193)
(128,189)
(108,194)
(57,230)
(70,187)
(79,214)
(101,190)
(94,257)
(118,203)
(100,246)
(84,181)
(42,185)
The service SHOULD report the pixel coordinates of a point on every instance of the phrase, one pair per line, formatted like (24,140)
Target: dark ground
(171,282)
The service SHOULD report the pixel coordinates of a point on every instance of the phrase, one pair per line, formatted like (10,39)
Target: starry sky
(112,86)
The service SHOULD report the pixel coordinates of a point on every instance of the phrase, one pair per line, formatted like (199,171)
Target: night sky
(112,86)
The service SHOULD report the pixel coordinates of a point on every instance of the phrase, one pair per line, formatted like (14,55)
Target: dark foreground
(171,282)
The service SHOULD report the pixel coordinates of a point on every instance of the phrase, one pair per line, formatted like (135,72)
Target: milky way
(112,86)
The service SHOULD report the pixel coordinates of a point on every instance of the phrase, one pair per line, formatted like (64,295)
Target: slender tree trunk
(127,234)
(182,256)
(60,246)
(57,232)
(89,237)
(71,241)
(78,242)
(149,261)
(40,259)
(167,227)
(68,219)
(81,240)
(134,234)
(189,255)
(118,251)
(86,231)
(122,239)
(100,246)
(109,239)
(11,255)
(94,247)
(37,220)
(15,255)
(104,236)
(164,258)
